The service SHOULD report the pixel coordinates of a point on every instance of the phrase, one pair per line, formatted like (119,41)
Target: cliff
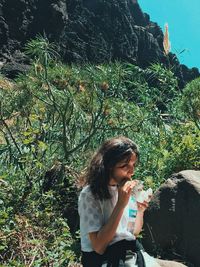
(84,30)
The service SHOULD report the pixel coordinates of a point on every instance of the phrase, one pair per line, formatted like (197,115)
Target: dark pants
(114,254)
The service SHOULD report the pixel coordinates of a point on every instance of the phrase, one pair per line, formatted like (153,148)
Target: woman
(107,209)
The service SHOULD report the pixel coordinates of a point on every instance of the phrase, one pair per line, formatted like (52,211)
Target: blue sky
(183,18)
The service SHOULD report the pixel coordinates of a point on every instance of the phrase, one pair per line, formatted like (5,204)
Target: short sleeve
(91,218)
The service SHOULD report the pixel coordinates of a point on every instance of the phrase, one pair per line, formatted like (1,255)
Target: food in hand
(142,195)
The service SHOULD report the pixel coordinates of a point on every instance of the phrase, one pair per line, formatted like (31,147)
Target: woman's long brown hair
(109,154)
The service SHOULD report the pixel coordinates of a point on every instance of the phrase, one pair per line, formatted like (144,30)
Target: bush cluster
(53,118)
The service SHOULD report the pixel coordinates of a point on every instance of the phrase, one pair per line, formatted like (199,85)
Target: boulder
(172,220)
(59,181)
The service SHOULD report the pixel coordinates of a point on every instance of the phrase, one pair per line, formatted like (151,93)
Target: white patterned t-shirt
(95,213)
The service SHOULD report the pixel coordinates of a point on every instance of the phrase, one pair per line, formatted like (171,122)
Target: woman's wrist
(141,212)
(120,205)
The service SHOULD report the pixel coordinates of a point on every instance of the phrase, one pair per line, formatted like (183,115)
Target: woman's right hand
(124,192)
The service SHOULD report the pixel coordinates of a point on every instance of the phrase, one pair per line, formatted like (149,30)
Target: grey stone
(173,219)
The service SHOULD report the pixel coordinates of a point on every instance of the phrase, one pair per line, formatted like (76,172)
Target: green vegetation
(54,117)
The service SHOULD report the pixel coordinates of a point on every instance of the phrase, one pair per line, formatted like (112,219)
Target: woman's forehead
(132,158)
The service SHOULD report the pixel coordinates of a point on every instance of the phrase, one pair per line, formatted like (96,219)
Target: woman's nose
(131,172)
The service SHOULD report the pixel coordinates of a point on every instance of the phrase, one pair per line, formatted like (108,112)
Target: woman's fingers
(142,206)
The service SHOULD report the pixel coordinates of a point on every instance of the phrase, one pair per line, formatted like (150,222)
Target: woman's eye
(123,166)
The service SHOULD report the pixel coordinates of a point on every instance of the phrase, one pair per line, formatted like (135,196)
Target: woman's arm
(138,223)
(104,236)
(140,217)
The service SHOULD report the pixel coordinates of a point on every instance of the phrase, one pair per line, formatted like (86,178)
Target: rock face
(85,30)
(173,219)
(57,179)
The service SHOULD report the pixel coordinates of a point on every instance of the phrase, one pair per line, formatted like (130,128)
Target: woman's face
(123,170)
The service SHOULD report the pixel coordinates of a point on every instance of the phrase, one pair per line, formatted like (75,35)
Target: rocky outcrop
(58,180)
(84,30)
(173,219)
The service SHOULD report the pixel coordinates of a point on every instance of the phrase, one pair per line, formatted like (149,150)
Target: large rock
(59,180)
(85,30)
(100,31)
(173,219)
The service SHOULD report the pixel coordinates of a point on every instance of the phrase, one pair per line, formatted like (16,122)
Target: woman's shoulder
(86,192)
(86,189)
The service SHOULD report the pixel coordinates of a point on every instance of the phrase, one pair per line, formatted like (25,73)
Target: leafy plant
(191,101)
(51,121)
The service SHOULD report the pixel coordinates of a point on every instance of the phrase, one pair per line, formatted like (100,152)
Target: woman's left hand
(142,206)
